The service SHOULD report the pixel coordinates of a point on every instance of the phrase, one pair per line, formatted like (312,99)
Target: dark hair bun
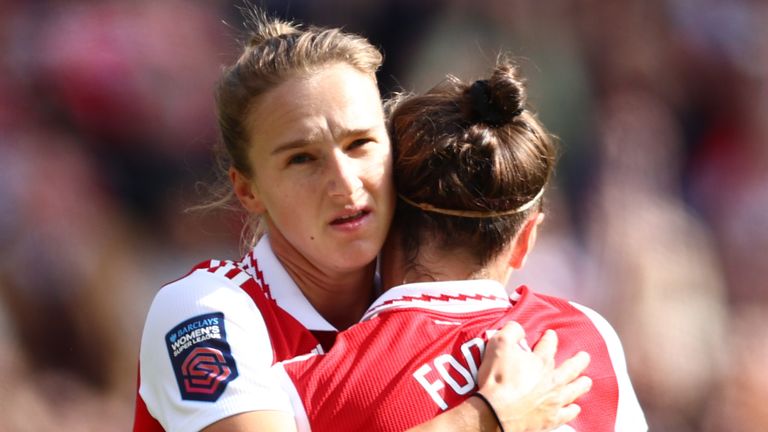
(498,100)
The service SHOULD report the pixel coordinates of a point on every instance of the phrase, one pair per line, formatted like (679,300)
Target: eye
(300,158)
(359,143)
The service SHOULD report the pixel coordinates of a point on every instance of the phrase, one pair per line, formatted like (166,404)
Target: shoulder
(577,321)
(212,290)
(606,331)
(205,290)
(571,311)
(210,283)
(205,340)
(629,414)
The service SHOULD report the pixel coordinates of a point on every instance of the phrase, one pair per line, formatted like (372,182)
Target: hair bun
(498,100)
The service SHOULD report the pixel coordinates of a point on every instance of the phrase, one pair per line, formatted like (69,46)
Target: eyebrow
(303,142)
(291,145)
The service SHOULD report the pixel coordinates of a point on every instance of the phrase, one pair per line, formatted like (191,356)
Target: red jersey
(211,337)
(417,351)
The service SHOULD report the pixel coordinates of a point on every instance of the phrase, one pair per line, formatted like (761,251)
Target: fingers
(519,380)
(546,347)
(568,394)
(510,334)
(572,368)
(567,413)
(526,381)
(501,352)
(576,389)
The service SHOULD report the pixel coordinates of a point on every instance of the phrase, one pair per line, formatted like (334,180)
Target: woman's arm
(205,355)
(255,421)
(525,389)
(472,415)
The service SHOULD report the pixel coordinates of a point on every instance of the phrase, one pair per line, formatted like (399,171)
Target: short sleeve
(289,386)
(629,415)
(206,355)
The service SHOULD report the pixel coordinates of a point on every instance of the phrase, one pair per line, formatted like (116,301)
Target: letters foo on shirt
(419,352)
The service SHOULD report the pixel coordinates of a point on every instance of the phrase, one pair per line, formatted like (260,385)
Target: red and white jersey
(417,351)
(211,337)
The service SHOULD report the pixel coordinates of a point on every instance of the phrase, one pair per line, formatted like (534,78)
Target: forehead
(316,105)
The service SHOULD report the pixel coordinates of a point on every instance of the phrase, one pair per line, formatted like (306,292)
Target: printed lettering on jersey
(201,357)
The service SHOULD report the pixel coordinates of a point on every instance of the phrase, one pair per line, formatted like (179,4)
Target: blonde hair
(274,52)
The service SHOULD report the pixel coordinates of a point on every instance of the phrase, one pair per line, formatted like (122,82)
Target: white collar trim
(281,287)
(449,296)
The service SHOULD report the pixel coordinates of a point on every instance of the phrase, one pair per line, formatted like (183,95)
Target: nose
(344,175)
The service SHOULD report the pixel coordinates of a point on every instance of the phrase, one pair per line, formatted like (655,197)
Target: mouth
(351,218)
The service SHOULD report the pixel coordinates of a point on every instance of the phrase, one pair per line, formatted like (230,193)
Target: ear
(246,192)
(524,241)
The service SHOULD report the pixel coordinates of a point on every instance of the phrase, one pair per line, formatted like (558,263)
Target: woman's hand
(525,388)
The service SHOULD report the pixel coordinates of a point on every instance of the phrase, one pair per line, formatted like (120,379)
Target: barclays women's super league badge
(201,357)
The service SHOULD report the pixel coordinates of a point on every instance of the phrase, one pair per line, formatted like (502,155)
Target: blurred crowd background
(658,220)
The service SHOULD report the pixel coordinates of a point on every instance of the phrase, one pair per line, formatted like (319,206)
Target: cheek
(277,197)
(287,196)
(378,170)
(292,216)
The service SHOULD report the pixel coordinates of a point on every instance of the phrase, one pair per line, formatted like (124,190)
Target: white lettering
(196,336)
(466,350)
(446,359)
(432,388)
(449,368)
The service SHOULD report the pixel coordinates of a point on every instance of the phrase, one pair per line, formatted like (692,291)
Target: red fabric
(373,364)
(142,420)
(289,338)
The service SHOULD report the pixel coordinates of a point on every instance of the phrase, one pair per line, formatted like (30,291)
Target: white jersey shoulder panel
(629,415)
(204,294)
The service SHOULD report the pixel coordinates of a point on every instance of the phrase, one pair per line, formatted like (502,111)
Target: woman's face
(321,160)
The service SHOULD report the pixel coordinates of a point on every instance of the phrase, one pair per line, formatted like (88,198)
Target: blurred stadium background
(659,219)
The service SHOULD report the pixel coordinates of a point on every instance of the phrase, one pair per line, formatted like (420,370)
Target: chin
(357,257)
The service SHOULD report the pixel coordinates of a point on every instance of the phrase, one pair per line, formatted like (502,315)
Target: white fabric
(284,290)
(298,410)
(629,415)
(448,296)
(203,292)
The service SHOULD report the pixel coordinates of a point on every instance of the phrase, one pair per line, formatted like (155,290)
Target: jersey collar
(263,265)
(450,296)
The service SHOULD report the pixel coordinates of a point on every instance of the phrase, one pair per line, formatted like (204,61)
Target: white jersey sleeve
(629,414)
(297,404)
(206,355)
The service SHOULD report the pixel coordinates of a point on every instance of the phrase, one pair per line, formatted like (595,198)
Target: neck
(435,264)
(340,297)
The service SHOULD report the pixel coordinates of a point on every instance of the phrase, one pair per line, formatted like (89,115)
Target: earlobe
(246,192)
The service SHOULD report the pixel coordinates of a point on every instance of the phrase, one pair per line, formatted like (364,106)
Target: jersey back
(406,366)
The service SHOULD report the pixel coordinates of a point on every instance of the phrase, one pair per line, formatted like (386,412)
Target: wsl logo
(205,370)
(201,357)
